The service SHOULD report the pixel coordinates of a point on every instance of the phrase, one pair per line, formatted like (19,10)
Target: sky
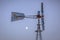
(17,30)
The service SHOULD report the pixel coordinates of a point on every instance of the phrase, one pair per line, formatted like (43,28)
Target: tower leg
(37,36)
(40,35)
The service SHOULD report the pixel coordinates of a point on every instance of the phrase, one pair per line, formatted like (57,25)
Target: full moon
(26,28)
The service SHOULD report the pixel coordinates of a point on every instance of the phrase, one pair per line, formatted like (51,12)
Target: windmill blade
(42,7)
(17,16)
(42,14)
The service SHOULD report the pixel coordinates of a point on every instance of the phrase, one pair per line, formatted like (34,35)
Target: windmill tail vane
(40,16)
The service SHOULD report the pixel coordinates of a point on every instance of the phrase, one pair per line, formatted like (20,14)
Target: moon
(26,28)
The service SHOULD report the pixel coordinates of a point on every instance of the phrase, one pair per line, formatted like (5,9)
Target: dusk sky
(17,30)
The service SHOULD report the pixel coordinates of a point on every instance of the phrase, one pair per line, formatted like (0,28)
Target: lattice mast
(39,30)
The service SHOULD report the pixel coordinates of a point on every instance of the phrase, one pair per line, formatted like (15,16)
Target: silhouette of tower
(38,31)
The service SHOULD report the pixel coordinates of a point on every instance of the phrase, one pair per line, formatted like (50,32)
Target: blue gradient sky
(16,30)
